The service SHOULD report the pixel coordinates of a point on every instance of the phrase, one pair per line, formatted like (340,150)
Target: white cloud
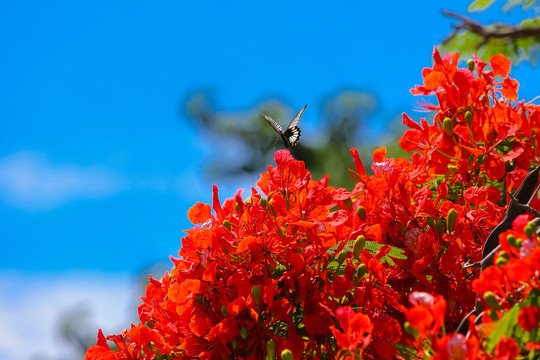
(31,182)
(32,305)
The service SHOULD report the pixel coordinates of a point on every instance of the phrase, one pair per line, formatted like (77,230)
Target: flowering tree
(302,270)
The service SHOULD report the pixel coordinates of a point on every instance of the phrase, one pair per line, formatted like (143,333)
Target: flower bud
(256,294)
(500,261)
(409,329)
(271,349)
(361,212)
(530,229)
(439,226)
(359,245)
(227,224)
(491,300)
(341,257)
(361,270)
(234,344)
(348,203)
(448,126)
(247,201)
(224,310)
(493,315)
(512,240)
(516,243)
(287,355)
(451,218)
(430,221)
(263,202)
(470,64)
(244,333)
(469,118)
(199,298)
(272,211)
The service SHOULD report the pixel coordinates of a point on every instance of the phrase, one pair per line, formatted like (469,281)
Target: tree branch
(498,30)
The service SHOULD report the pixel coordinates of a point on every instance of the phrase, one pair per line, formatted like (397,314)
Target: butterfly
(292,134)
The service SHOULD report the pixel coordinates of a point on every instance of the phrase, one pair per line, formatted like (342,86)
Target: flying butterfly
(292,134)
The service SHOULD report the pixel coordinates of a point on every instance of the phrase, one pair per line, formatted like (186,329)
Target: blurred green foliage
(519,42)
(243,142)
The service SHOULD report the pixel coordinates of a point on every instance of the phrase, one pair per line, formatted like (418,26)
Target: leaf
(406,351)
(480,5)
(333,266)
(347,247)
(372,247)
(395,252)
(504,326)
(533,299)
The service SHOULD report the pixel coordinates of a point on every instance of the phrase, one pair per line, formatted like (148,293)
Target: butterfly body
(291,135)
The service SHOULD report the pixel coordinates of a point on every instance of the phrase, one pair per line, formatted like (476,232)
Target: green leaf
(530,22)
(480,5)
(395,252)
(372,247)
(407,352)
(333,266)
(348,247)
(533,299)
(511,4)
(504,326)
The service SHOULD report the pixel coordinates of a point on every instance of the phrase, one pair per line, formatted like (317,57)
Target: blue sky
(97,165)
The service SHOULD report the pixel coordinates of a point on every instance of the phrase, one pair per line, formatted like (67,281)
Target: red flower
(427,314)
(506,349)
(356,330)
(225,331)
(199,213)
(500,65)
(101,351)
(529,318)
(457,347)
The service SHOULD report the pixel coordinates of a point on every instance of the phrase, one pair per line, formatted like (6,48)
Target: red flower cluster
(426,316)
(510,290)
(357,331)
(311,271)
(517,271)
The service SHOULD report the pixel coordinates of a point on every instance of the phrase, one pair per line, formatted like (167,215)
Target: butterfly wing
(274,124)
(296,119)
(292,134)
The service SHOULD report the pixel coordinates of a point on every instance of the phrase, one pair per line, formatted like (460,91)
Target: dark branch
(525,206)
(498,30)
